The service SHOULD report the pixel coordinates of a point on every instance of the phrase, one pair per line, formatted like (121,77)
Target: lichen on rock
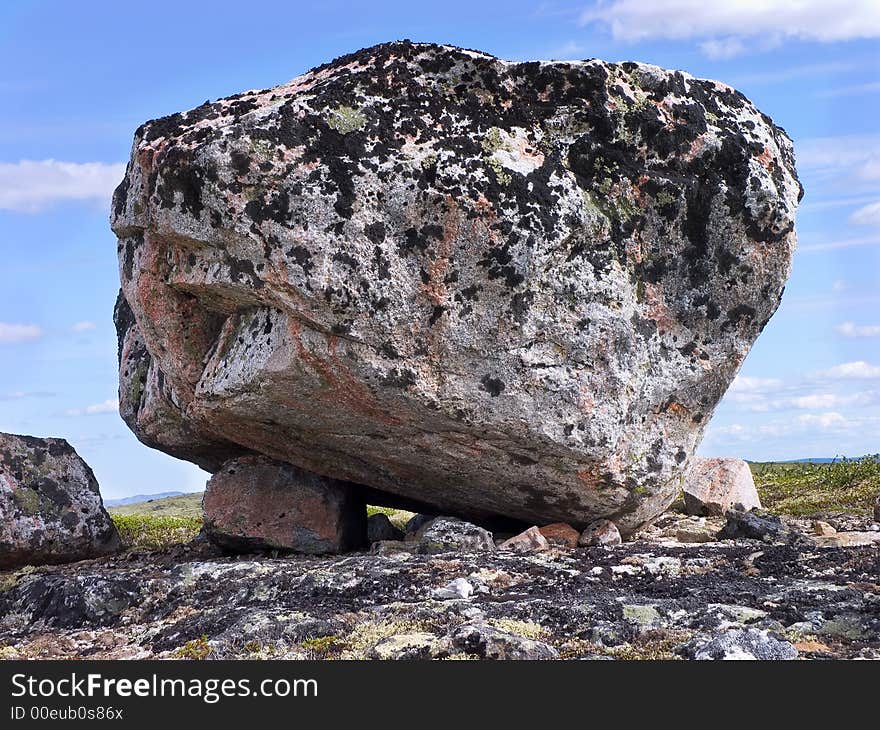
(491,288)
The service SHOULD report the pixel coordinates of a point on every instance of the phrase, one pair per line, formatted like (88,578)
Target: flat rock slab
(254,503)
(634,601)
(50,507)
(496,289)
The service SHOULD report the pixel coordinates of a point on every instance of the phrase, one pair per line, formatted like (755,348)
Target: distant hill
(139,498)
(179,504)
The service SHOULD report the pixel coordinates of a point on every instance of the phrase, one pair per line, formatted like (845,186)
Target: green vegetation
(196,649)
(844,485)
(184,505)
(155,532)
(398,517)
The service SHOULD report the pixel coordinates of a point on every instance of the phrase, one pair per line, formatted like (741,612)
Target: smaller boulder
(50,507)
(713,486)
(379,528)
(561,534)
(404,647)
(600,532)
(255,503)
(452,535)
(526,541)
(848,539)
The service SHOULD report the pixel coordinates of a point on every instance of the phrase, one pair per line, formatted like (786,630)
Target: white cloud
(869,215)
(839,285)
(849,329)
(32,185)
(13,334)
(723,48)
(766,20)
(107,406)
(828,420)
(22,394)
(840,244)
(745,384)
(858,370)
(83,326)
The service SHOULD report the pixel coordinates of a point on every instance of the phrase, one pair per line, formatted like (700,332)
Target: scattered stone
(380,528)
(823,529)
(561,534)
(754,525)
(336,275)
(848,539)
(412,646)
(713,486)
(746,643)
(50,507)
(450,534)
(391,547)
(530,539)
(488,642)
(600,532)
(458,588)
(254,503)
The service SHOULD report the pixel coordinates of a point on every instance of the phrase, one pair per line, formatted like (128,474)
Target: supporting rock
(713,486)
(50,507)
(254,503)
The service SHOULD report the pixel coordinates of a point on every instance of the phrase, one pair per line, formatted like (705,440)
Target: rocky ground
(674,592)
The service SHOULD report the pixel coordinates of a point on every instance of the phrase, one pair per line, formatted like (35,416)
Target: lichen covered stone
(497,289)
(50,507)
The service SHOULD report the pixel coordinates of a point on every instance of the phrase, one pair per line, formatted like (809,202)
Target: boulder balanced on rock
(498,289)
(50,507)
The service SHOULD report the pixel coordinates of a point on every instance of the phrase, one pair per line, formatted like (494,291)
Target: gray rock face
(50,506)
(495,288)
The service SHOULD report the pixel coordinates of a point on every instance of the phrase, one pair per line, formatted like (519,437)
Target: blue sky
(76,79)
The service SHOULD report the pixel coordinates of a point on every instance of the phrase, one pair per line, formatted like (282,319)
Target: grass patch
(844,485)
(183,505)
(398,517)
(154,532)
(197,649)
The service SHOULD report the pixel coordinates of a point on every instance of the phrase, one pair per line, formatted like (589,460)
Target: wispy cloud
(763,22)
(851,90)
(849,329)
(868,215)
(32,185)
(13,334)
(23,394)
(83,326)
(840,244)
(858,370)
(720,48)
(107,406)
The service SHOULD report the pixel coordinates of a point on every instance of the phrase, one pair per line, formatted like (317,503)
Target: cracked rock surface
(652,598)
(493,288)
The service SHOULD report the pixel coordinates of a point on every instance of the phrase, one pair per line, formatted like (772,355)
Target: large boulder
(50,507)
(493,288)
